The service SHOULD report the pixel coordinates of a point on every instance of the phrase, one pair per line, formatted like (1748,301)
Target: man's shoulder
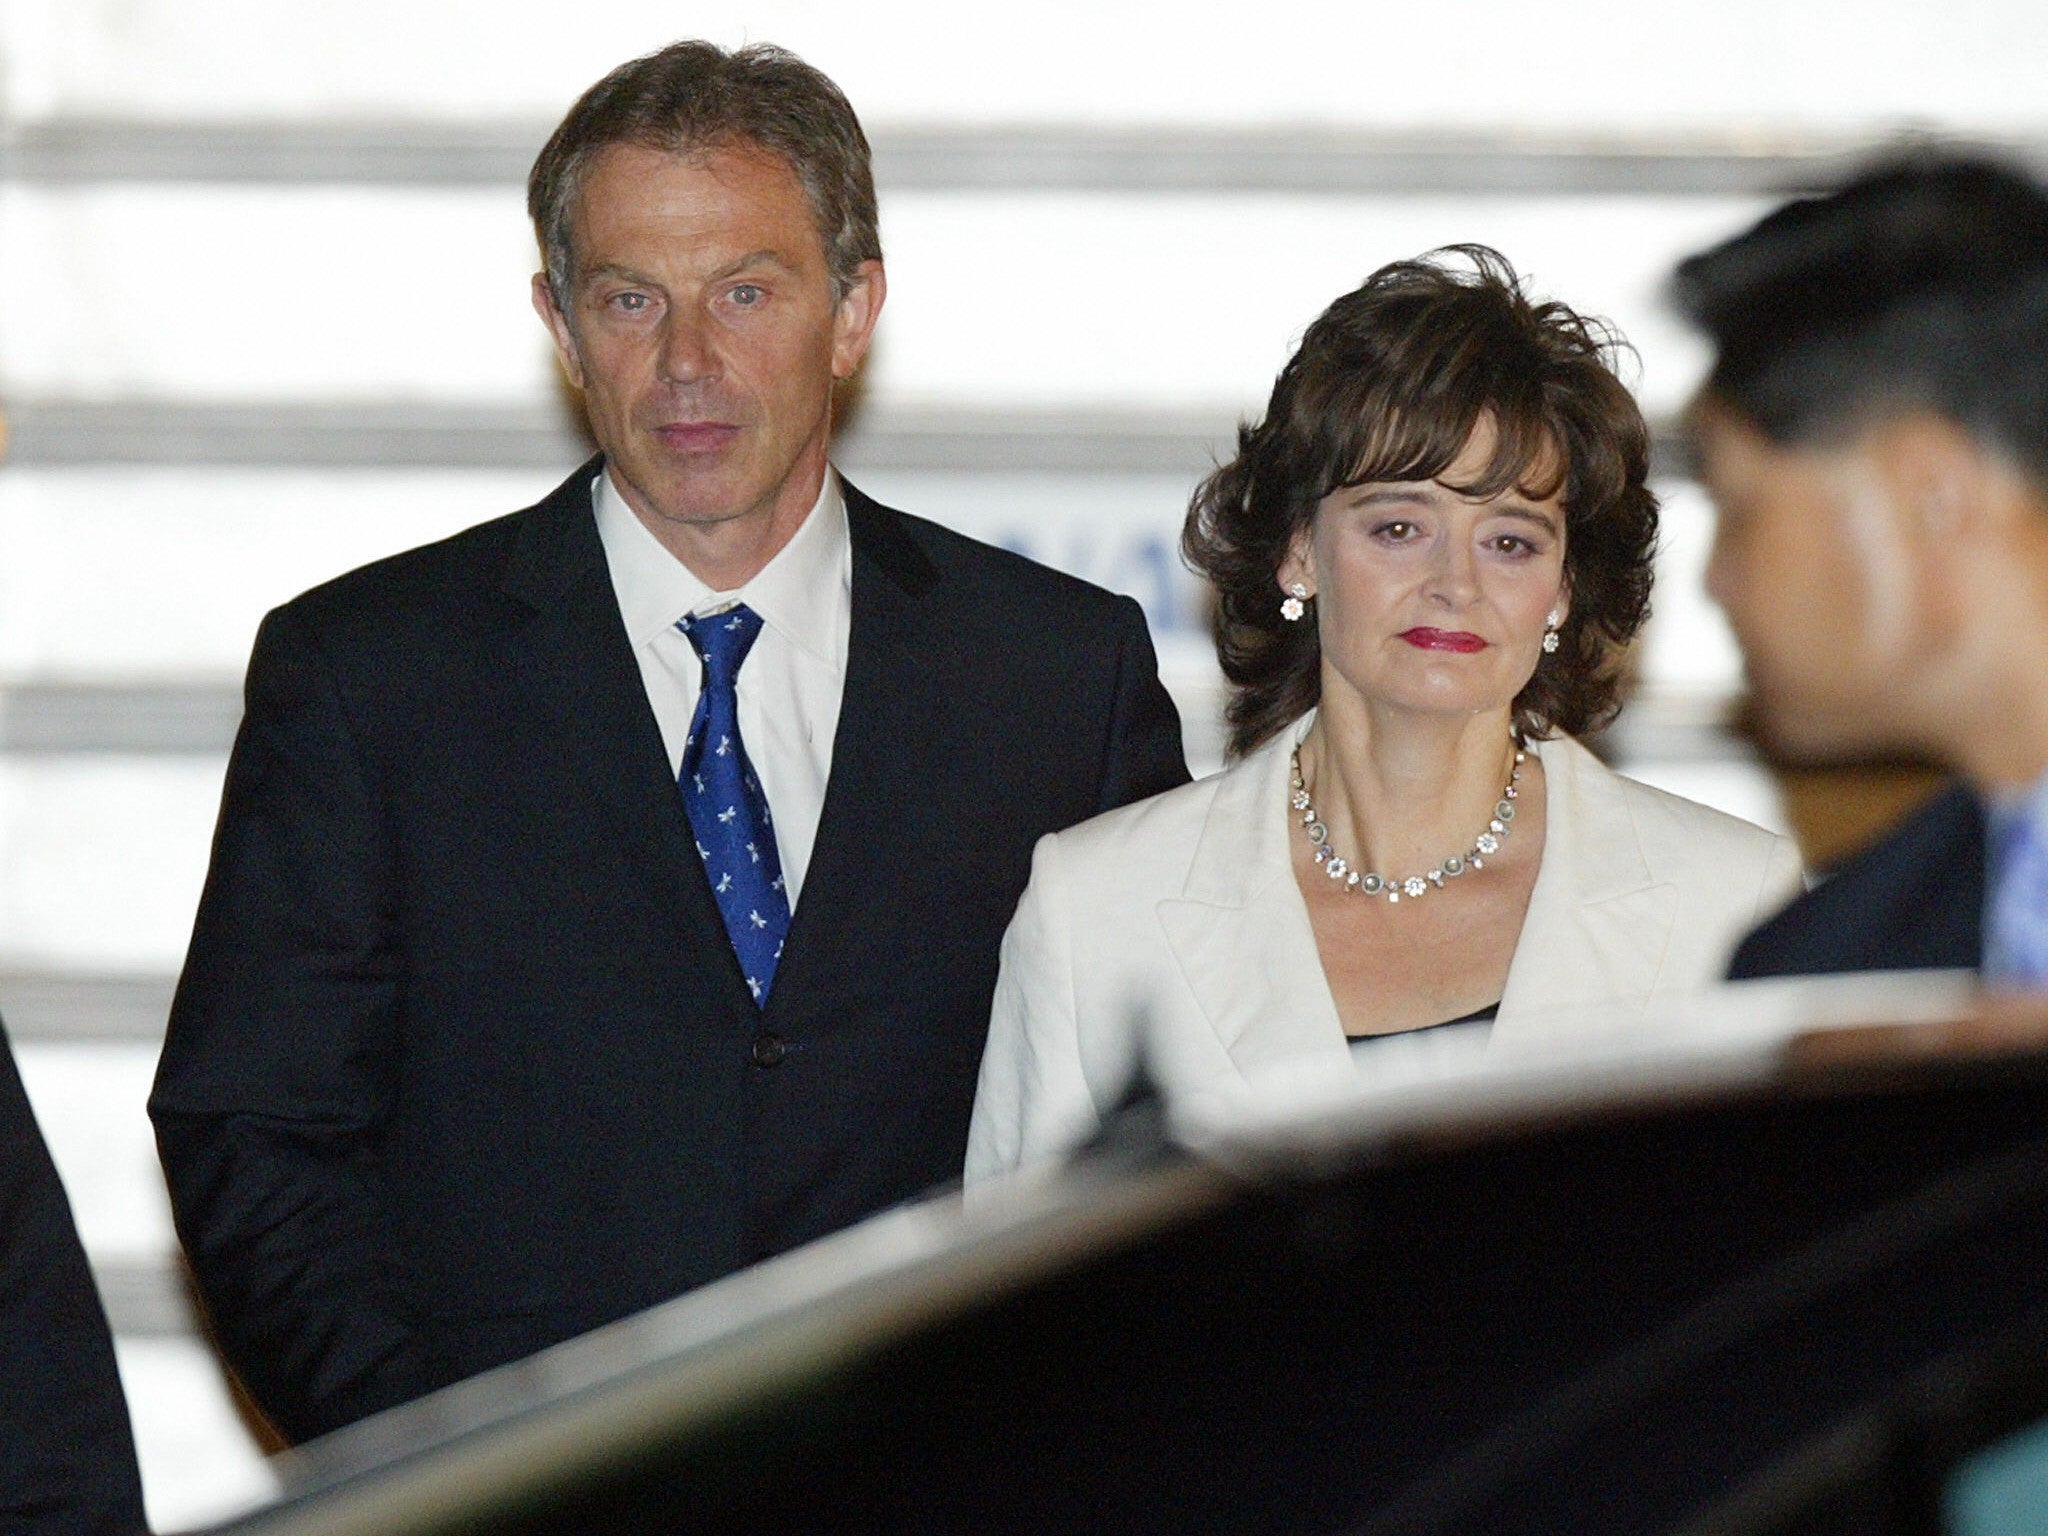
(972,569)
(435,579)
(1912,900)
(428,572)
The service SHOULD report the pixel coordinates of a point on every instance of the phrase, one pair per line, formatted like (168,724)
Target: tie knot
(722,639)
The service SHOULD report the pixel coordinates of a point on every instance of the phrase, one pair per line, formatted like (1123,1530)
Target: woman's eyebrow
(1527,514)
(1388,495)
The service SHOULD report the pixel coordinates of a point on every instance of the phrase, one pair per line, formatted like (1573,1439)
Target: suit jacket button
(769,1049)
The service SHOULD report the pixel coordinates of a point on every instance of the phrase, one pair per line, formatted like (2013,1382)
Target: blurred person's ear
(1956,495)
(1975,526)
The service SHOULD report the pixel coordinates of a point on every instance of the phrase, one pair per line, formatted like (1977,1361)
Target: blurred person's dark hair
(694,96)
(1390,383)
(1922,284)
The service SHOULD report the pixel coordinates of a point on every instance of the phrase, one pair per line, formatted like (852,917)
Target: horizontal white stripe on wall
(142,575)
(101,860)
(1495,63)
(90,1101)
(1167,302)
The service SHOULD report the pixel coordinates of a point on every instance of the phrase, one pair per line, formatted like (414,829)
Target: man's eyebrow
(760,258)
(631,274)
(621,271)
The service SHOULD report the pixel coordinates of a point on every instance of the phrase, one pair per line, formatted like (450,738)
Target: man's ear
(1947,484)
(1960,514)
(853,324)
(558,327)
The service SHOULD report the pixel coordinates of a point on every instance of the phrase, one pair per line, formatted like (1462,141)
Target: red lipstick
(1460,640)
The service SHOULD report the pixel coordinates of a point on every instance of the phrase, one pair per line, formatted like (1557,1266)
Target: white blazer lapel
(1239,931)
(1599,921)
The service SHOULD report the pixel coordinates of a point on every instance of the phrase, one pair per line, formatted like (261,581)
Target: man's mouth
(696,436)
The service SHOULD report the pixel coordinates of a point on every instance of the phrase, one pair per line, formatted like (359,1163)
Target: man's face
(704,334)
(1816,566)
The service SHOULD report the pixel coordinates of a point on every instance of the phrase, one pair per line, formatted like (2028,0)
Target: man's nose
(687,354)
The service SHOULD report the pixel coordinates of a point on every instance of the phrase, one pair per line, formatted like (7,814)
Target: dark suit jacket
(67,1460)
(1913,900)
(462,1064)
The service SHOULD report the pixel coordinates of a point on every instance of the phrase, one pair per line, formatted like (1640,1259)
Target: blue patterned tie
(727,810)
(2016,913)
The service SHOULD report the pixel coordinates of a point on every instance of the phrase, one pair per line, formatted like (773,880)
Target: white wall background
(1738,66)
(1139,311)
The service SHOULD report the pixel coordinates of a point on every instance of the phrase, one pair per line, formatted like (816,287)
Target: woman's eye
(1395,531)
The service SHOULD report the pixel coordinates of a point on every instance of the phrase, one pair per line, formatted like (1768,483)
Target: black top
(1484,1015)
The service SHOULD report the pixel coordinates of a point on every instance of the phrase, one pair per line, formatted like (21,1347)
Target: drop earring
(1293,605)
(1550,640)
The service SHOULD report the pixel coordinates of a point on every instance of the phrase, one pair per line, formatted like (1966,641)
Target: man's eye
(747,295)
(630,303)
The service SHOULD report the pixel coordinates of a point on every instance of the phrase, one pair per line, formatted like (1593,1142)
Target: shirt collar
(2007,809)
(801,593)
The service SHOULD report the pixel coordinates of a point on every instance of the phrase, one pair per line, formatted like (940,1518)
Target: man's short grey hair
(697,96)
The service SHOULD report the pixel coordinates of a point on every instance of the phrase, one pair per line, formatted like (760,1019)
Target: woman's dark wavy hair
(1389,383)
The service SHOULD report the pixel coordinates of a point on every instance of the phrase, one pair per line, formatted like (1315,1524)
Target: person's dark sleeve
(1143,755)
(1913,900)
(67,1457)
(276,1071)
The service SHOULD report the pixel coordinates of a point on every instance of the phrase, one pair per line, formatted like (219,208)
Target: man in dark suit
(609,897)
(1875,435)
(67,1460)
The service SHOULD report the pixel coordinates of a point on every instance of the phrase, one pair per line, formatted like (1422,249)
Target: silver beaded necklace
(1366,884)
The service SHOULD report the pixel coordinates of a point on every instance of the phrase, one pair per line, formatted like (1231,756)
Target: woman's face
(1427,600)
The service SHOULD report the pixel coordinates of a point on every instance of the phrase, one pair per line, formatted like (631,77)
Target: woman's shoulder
(1665,822)
(1165,817)
(1166,828)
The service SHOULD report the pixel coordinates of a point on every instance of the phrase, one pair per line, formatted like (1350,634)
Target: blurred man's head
(1875,433)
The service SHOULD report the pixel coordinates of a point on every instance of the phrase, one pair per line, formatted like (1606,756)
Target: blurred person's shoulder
(1912,900)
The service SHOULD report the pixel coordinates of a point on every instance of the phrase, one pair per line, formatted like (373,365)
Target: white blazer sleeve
(1033,1100)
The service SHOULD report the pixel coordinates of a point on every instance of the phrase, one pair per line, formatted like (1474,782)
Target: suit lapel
(891,720)
(574,669)
(1599,920)
(1239,931)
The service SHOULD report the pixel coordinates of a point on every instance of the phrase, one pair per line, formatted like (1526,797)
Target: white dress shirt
(2016,888)
(792,681)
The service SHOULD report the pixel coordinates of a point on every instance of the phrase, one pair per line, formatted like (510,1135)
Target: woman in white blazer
(1428,558)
